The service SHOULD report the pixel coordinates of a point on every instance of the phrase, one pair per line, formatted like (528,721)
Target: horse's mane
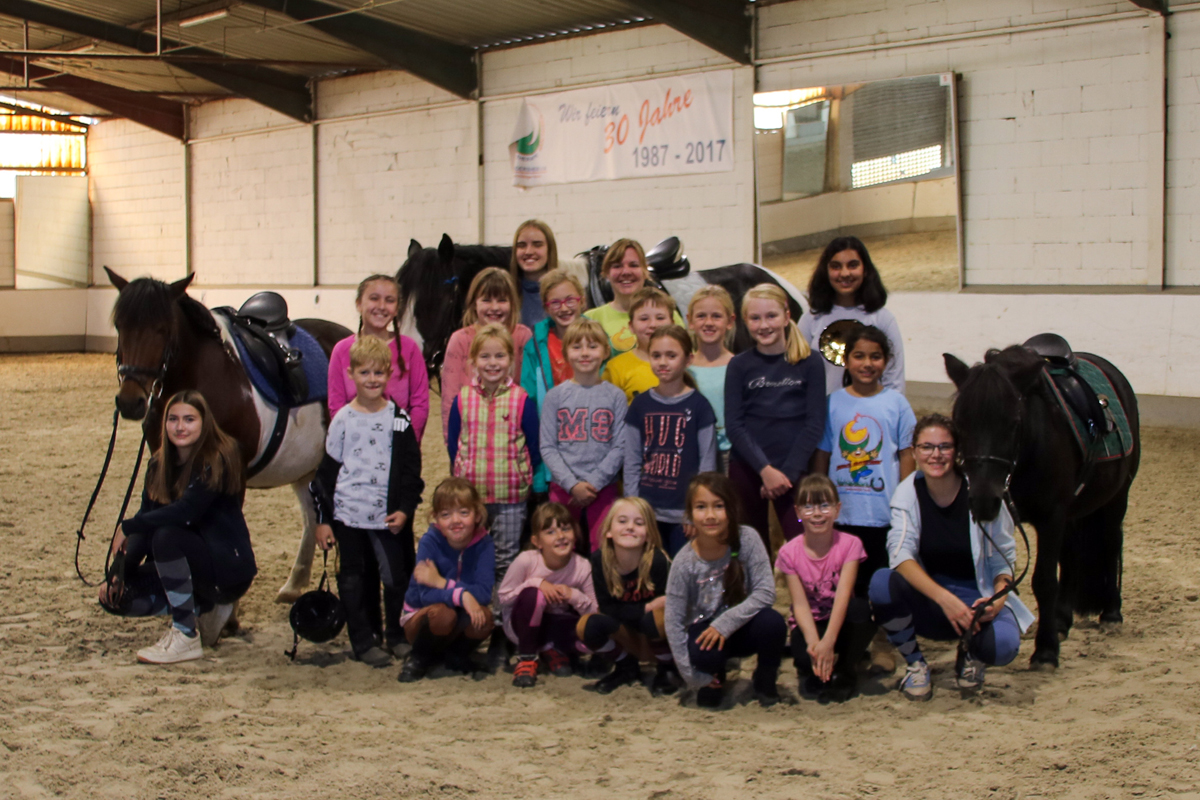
(148,302)
(422,275)
(484,255)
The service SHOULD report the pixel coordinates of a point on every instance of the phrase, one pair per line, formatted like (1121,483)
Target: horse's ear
(414,247)
(180,286)
(956,369)
(446,249)
(116,279)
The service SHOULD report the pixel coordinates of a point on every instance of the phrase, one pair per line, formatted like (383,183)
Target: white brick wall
(135,183)
(1055,126)
(385,180)
(252,209)
(712,213)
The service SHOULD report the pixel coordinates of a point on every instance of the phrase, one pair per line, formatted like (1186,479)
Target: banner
(665,126)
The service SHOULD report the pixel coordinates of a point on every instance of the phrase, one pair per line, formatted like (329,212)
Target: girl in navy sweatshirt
(446,608)
(774,411)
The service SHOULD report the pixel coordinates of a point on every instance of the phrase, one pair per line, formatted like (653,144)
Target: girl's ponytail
(735,573)
(797,348)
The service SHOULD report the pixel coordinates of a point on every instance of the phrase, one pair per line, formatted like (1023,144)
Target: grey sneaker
(970,670)
(375,657)
(917,684)
(211,623)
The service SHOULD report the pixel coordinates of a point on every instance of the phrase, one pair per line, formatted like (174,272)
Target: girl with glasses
(561,296)
(944,566)
(863,450)
(830,626)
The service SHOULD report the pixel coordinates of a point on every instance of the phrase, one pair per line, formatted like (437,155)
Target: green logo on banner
(528,144)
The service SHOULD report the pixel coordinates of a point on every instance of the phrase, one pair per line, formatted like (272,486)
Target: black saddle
(1053,348)
(666,259)
(263,328)
(269,310)
(1076,392)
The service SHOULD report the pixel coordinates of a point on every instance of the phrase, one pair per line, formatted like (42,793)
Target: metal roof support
(164,116)
(444,64)
(287,94)
(723,25)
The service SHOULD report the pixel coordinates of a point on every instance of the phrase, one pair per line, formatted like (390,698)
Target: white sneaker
(211,623)
(172,648)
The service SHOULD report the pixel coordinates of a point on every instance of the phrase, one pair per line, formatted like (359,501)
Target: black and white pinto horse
(434,282)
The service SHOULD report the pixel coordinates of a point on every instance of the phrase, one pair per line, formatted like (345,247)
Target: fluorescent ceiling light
(200,19)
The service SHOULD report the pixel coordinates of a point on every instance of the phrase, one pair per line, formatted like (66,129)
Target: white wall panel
(252,208)
(52,232)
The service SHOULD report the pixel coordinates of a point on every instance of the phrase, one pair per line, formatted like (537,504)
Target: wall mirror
(877,160)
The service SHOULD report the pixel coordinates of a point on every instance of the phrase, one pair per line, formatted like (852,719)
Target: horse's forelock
(144,302)
(987,396)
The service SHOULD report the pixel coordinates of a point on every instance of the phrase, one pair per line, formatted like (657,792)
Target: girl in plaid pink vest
(493,439)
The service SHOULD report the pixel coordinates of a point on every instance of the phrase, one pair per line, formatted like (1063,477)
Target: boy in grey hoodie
(582,430)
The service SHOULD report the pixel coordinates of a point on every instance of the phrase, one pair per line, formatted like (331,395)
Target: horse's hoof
(231,627)
(1062,635)
(1043,662)
(288,595)
(1110,625)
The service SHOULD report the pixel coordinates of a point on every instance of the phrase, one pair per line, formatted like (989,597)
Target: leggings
(593,515)
(171,570)
(439,626)
(505,521)
(904,613)
(874,541)
(537,628)
(765,634)
(852,641)
(358,551)
(748,485)
(601,632)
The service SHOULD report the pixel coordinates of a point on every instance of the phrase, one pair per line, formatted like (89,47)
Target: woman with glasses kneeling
(945,564)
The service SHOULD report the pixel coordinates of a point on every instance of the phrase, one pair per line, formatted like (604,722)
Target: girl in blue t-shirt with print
(866,449)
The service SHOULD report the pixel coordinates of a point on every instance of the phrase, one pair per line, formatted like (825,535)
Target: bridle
(140,374)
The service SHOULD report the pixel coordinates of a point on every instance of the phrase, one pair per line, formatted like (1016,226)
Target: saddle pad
(315,362)
(1118,443)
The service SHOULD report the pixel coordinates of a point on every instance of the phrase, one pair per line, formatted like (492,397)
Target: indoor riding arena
(1015,167)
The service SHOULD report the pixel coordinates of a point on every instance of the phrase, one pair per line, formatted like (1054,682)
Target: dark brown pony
(168,342)
(1014,436)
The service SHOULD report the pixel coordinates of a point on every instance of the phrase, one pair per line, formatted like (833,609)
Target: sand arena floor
(80,719)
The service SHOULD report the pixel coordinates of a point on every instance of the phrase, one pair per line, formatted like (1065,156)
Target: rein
(965,639)
(123,372)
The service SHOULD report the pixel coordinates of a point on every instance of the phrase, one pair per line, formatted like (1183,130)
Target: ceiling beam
(280,91)
(164,116)
(444,64)
(723,25)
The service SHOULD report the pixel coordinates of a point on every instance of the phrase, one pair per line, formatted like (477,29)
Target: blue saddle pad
(314,361)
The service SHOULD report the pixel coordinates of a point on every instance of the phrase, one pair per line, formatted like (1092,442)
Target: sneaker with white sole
(917,684)
(172,648)
(211,623)
(969,670)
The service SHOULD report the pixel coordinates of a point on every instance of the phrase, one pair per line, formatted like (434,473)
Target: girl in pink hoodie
(544,594)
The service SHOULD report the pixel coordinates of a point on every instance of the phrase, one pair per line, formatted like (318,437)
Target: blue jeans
(904,613)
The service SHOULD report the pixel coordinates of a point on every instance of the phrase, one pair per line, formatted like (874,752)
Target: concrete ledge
(1155,410)
(813,241)
(67,343)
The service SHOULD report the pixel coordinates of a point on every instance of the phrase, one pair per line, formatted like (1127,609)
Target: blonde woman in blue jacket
(943,565)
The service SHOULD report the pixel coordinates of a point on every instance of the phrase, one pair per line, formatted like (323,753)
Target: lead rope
(79,537)
(965,639)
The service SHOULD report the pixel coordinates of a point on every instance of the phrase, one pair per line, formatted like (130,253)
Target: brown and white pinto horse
(168,342)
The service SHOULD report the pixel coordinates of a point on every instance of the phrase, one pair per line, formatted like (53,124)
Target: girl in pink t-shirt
(831,628)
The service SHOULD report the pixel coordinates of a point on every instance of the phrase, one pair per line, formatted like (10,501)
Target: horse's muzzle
(131,402)
(985,508)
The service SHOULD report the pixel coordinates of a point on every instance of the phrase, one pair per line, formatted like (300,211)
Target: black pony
(1014,436)
(434,283)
